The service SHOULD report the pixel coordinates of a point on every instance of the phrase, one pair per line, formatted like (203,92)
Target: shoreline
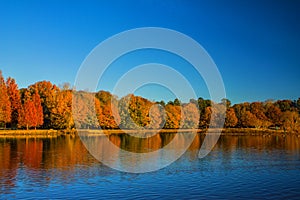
(90,132)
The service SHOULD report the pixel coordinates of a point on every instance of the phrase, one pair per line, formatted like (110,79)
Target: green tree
(205,117)
(298,104)
(284,105)
(162,103)
(177,102)
(226,102)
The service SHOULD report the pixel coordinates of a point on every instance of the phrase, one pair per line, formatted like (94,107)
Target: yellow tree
(61,114)
(218,114)
(190,116)
(173,116)
(107,110)
(157,117)
(84,112)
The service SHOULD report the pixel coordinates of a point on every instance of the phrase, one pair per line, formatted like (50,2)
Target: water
(239,167)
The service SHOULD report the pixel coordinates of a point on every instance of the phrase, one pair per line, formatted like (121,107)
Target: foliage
(231,120)
(5,105)
(15,101)
(31,112)
(44,105)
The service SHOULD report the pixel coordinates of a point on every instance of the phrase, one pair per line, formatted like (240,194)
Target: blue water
(239,167)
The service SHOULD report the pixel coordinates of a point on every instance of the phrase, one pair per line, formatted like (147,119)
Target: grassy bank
(56,133)
(31,133)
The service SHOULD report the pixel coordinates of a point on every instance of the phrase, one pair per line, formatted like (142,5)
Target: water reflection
(31,160)
(138,155)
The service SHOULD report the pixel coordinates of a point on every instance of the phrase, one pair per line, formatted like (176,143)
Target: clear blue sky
(255,44)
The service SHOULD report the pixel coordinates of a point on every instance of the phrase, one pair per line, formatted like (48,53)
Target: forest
(44,105)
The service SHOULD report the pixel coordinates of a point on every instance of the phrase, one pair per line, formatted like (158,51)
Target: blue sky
(255,44)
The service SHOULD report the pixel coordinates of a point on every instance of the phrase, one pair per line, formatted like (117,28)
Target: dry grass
(55,133)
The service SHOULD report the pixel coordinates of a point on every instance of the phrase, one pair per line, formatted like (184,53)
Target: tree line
(46,106)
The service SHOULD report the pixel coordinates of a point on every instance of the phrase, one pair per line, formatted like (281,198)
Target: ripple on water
(238,168)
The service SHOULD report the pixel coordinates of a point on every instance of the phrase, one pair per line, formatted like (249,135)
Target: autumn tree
(190,116)
(240,110)
(249,120)
(258,110)
(218,114)
(274,114)
(203,104)
(285,105)
(126,122)
(84,112)
(47,92)
(205,117)
(173,116)
(61,114)
(134,112)
(15,101)
(45,104)
(231,119)
(5,105)
(291,121)
(31,112)
(157,117)
(204,112)
(39,117)
(226,102)
(139,108)
(107,110)
(27,116)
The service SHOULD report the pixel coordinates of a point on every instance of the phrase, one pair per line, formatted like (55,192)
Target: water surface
(239,167)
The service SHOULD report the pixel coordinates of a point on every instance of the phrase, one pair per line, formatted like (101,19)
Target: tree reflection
(64,155)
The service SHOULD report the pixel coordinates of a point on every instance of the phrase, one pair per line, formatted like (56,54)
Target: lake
(239,167)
